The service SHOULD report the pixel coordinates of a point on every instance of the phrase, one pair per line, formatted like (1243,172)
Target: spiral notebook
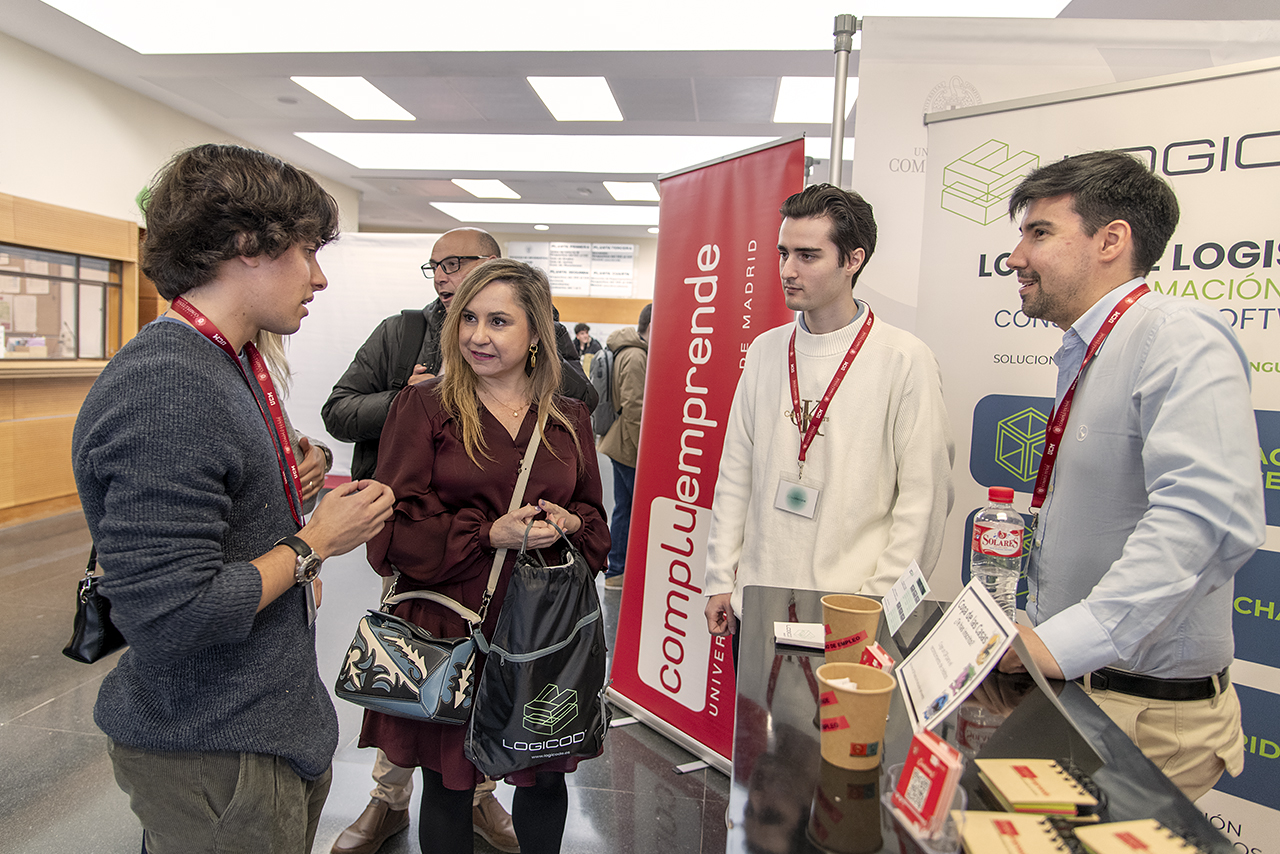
(1126,837)
(1035,786)
(1012,833)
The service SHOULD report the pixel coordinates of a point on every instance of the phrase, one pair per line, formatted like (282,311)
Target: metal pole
(846,26)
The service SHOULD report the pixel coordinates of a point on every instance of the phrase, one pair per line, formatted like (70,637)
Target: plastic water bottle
(995,555)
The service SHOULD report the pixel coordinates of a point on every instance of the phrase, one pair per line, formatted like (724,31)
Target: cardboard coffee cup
(851,624)
(853,718)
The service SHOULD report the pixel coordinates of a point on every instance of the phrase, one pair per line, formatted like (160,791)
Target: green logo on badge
(796,498)
(977,185)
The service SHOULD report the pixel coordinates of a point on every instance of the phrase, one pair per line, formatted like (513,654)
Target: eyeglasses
(450,265)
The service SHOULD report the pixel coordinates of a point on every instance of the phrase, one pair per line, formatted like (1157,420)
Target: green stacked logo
(1020,442)
(977,185)
(552,710)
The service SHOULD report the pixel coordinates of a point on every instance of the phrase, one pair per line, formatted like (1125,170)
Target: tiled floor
(57,793)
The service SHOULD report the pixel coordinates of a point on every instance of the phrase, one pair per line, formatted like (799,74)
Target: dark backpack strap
(613,369)
(412,333)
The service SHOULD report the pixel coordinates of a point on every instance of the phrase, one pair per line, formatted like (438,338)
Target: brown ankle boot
(375,826)
(490,820)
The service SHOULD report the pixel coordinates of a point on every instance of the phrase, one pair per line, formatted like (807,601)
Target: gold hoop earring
(533,355)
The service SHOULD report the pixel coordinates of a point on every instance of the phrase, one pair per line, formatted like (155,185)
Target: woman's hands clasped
(508,531)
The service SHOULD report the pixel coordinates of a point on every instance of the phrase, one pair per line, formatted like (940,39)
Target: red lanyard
(1058,419)
(818,414)
(206,328)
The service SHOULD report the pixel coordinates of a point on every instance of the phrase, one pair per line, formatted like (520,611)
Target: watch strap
(295,542)
(307,563)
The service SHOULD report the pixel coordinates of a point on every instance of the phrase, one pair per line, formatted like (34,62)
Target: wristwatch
(308,564)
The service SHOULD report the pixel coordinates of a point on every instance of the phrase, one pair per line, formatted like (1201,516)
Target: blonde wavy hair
(271,346)
(459,389)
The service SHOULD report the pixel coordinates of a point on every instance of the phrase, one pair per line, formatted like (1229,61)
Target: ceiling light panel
(497,212)
(461,152)
(486,188)
(356,97)
(811,100)
(632,191)
(375,26)
(577,99)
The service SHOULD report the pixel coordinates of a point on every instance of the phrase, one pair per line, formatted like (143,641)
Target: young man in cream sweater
(836,469)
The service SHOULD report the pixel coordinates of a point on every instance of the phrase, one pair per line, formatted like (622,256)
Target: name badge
(795,497)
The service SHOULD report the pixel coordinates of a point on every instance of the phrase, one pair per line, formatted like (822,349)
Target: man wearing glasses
(405,350)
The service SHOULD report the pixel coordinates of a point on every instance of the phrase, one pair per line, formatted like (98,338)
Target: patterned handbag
(400,669)
(397,668)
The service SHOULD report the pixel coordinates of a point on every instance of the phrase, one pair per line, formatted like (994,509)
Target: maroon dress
(438,537)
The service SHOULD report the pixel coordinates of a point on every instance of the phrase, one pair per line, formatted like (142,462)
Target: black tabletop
(779,778)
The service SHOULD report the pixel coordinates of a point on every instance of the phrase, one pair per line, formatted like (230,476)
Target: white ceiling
(463,82)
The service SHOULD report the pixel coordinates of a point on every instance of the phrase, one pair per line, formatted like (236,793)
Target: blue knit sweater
(181,488)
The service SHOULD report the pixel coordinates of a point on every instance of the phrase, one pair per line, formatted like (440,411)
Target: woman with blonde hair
(451,450)
(313,456)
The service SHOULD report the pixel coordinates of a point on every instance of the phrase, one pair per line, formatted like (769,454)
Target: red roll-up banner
(716,289)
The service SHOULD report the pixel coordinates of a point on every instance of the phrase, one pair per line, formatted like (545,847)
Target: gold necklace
(515,411)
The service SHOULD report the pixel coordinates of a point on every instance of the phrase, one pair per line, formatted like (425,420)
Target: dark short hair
(581,327)
(646,317)
(853,226)
(212,203)
(1106,186)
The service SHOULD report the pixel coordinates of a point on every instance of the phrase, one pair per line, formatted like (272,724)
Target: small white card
(904,597)
(808,635)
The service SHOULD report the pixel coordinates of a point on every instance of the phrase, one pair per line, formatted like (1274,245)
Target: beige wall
(73,139)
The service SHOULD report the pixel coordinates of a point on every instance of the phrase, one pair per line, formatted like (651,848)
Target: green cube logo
(977,185)
(552,710)
(1020,443)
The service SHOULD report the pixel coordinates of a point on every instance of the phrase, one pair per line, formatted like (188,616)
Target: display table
(777,767)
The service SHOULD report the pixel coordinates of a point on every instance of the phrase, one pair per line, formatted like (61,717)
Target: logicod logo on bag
(552,710)
(1008,439)
(977,185)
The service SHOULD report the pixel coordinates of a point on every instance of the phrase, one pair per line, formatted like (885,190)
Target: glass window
(59,306)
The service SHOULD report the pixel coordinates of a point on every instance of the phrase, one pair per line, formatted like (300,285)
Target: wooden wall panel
(52,227)
(8,483)
(6,401)
(588,309)
(41,398)
(42,458)
(6,218)
(150,304)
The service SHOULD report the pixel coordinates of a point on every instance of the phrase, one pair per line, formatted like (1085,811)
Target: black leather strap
(1155,688)
(296,544)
